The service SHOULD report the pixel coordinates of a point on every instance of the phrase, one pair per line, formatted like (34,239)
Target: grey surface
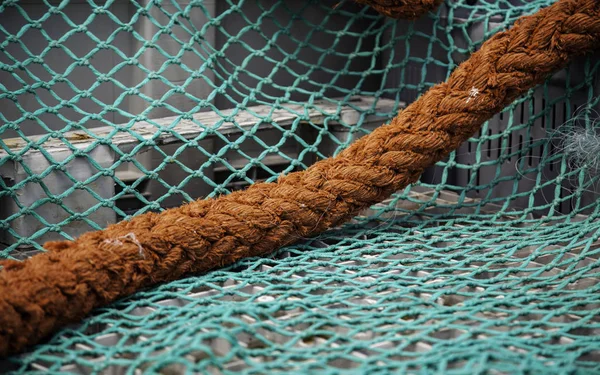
(310,71)
(104,61)
(50,214)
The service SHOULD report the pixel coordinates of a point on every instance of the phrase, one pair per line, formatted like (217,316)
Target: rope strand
(404,9)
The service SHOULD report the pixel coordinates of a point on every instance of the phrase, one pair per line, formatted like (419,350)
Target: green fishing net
(490,264)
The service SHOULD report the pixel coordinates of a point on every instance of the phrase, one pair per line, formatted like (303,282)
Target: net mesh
(490,264)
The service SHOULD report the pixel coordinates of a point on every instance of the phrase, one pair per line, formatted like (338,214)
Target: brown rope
(49,290)
(405,9)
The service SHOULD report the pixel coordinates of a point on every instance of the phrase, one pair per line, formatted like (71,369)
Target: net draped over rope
(47,291)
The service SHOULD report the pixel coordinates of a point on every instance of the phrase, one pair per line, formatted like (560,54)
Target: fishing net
(489,264)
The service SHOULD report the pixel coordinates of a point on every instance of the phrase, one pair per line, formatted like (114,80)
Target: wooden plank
(209,123)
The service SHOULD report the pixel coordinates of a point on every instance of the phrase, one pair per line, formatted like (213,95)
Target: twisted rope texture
(404,9)
(45,292)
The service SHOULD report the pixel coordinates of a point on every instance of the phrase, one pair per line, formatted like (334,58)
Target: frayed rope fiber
(49,290)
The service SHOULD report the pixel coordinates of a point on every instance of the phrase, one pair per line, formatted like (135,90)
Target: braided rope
(47,291)
(404,9)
